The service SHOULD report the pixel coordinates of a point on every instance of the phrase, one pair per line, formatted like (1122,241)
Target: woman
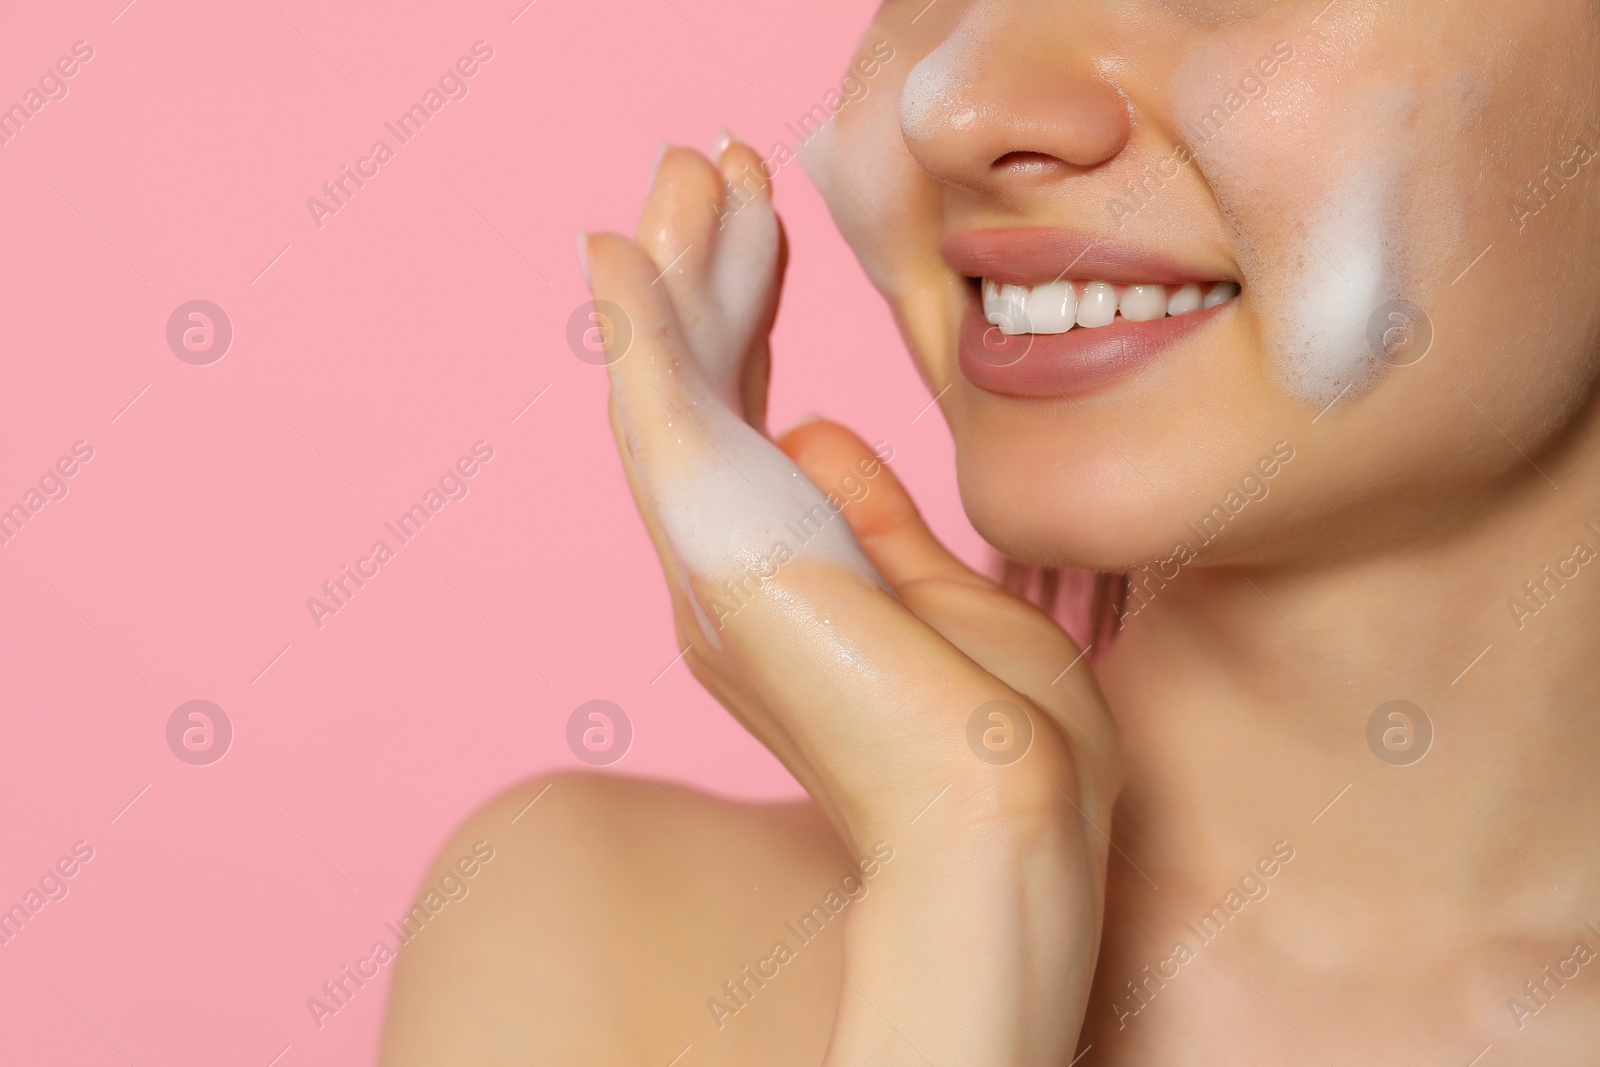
(1279,312)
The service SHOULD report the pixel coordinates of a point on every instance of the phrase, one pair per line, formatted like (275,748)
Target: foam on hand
(730,502)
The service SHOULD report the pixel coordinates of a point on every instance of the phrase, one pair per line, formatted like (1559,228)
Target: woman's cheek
(888,210)
(1325,173)
(860,164)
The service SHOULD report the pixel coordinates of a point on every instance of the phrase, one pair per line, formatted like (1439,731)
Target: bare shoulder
(615,921)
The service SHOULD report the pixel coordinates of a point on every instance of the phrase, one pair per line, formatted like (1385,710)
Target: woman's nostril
(1024,161)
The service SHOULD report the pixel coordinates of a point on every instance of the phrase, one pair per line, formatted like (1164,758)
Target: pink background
(368,355)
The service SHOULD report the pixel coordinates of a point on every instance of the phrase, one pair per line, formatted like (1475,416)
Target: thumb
(1006,636)
(880,511)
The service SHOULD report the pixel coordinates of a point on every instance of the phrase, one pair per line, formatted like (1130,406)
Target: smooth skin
(1220,735)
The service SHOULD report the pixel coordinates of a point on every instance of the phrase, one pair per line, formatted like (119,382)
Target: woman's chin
(1055,527)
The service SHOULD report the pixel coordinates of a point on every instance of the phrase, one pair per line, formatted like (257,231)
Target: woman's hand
(921,706)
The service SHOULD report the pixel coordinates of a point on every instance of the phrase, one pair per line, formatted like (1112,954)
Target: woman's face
(1369,173)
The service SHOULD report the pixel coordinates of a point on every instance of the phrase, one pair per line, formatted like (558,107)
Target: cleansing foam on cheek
(1334,206)
(873,186)
(1353,261)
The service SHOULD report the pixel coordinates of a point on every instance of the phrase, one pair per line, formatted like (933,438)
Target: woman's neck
(1245,699)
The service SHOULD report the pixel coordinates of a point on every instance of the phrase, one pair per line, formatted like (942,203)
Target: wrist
(978,950)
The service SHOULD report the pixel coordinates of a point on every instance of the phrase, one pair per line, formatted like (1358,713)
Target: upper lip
(1033,255)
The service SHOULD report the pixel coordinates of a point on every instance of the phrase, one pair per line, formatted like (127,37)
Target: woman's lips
(1062,364)
(1060,295)
(1027,255)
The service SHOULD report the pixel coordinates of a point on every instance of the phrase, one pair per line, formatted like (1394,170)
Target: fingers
(666,424)
(879,509)
(650,377)
(749,263)
(717,246)
(721,500)
(750,227)
(620,272)
(679,218)
(678,231)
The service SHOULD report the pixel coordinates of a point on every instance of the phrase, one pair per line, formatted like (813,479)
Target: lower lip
(1062,364)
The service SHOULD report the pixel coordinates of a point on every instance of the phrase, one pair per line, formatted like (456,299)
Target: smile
(1052,313)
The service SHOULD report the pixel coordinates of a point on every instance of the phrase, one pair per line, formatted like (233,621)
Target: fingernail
(655,164)
(719,145)
(583,258)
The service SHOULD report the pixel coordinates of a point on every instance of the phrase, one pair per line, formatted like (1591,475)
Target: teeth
(991,302)
(1053,308)
(1013,309)
(1098,305)
(1006,306)
(1142,303)
(1056,307)
(1221,293)
(1188,298)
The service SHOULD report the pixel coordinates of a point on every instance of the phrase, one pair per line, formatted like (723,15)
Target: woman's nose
(1003,106)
